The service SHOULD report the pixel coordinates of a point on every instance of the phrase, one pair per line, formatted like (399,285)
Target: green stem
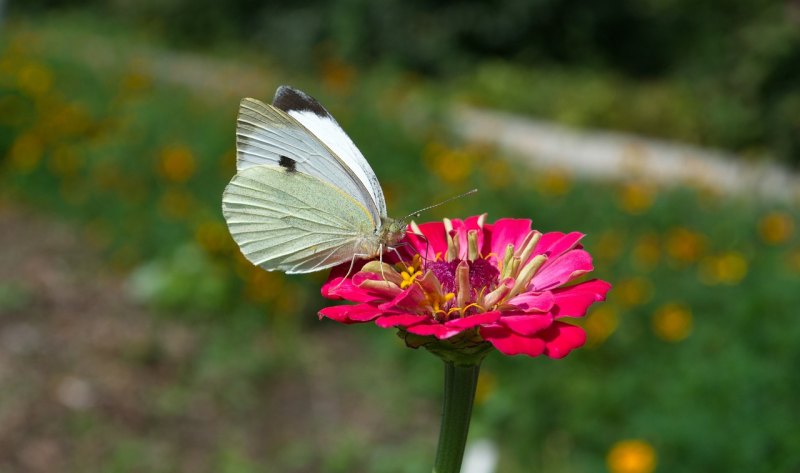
(459,393)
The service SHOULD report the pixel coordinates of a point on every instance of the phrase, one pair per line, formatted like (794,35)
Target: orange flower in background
(672,322)
(684,245)
(776,228)
(631,456)
(176,163)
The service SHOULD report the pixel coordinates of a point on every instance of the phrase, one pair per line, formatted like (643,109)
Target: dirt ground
(89,381)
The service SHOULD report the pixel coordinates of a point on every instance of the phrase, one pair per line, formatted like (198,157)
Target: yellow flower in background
(684,245)
(176,163)
(726,268)
(34,79)
(636,198)
(600,324)
(487,384)
(776,228)
(450,165)
(26,152)
(633,291)
(631,456)
(554,182)
(647,252)
(672,322)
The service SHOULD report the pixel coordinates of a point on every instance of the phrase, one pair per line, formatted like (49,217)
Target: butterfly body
(303,198)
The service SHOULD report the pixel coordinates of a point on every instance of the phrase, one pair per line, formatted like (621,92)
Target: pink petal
(565,268)
(472,321)
(462,229)
(509,343)
(546,241)
(561,338)
(339,288)
(527,325)
(409,299)
(505,231)
(556,248)
(574,301)
(434,240)
(400,320)
(534,301)
(436,329)
(348,314)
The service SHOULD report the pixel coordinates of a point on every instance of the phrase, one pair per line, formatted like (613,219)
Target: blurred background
(135,338)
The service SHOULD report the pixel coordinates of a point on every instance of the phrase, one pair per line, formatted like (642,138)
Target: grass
(693,353)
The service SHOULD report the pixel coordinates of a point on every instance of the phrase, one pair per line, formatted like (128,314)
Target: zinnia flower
(466,286)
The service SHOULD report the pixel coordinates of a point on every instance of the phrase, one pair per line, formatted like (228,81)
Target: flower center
(482,274)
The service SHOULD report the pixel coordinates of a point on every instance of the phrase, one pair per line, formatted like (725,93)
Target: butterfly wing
(294,222)
(297,132)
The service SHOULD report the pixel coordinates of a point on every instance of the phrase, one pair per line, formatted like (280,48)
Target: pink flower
(467,286)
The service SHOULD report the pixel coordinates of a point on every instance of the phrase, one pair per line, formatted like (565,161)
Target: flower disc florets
(460,288)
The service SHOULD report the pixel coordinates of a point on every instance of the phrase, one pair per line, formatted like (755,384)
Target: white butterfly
(303,197)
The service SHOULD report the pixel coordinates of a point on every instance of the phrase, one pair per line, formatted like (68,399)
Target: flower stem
(459,393)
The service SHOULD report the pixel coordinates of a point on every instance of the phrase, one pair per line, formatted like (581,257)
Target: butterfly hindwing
(294,222)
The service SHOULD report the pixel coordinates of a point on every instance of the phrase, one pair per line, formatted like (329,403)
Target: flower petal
(409,299)
(509,343)
(561,338)
(462,228)
(565,268)
(432,242)
(527,325)
(466,323)
(574,301)
(534,301)
(556,247)
(349,314)
(340,288)
(400,320)
(436,329)
(505,231)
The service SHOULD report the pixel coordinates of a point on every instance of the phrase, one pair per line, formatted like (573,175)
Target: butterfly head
(391,231)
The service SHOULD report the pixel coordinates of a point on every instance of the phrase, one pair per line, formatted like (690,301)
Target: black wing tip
(288,99)
(288,163)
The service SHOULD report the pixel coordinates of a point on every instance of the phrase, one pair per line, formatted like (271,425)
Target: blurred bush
(733,68)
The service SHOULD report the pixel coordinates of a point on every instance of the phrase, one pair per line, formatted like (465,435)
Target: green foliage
(694,352)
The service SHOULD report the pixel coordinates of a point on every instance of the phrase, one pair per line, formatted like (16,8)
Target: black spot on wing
(288,163)
(288,99)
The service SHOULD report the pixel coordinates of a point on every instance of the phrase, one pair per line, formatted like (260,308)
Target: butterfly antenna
(416,214)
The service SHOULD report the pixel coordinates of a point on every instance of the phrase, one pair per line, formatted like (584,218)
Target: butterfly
(303,198)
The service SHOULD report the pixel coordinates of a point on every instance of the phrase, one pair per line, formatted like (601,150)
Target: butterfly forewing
(309,112)
(289,221)
(269,135)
